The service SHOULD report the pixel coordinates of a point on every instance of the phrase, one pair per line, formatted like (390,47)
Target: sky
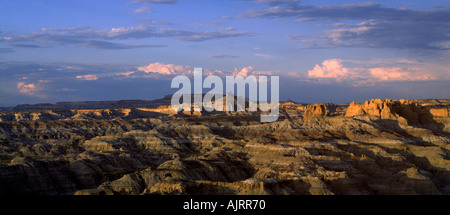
(322,50)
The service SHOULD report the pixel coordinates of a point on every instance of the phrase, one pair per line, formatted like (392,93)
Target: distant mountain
(90,105)
(96,104)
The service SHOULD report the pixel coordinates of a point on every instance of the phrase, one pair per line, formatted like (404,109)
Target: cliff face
(315,110)
(404,111)
(386,109)
(378,147)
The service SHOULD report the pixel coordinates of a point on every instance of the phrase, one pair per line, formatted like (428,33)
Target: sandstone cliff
(405,111)
(315,110)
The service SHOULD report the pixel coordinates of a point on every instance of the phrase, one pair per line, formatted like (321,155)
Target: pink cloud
(26,88)
(32,89)
(89,77)
(396,74)
(208,72)
(166,69)
(244,72)
(332,70)
(126,73)
(247,71)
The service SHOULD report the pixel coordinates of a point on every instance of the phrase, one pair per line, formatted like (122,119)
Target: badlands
(144,147)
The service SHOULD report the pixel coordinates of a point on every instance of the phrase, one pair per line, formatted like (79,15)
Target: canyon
(134,147)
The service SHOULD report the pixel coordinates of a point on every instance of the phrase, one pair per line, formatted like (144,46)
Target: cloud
(396,74)
(26,88)
(32,89)
(362,11)
(208,72)
(441,44)
(209,35)
(54,82)
(38,82)
(5,38)
(125,73)
(333,71)
(244,72)
(89,77)
(275,2)
(88,37)
(154,1)
(143,9)
(330,69)
(27,46)
(161,70)
(166,69)
(249,70)
(379,26)
(223,56)
(98,44)
(82,36)
(389,34)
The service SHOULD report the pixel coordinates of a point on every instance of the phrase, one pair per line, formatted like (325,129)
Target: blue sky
(323,51)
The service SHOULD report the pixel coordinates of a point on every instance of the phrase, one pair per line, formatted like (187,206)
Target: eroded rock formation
(378,147)
(315,110)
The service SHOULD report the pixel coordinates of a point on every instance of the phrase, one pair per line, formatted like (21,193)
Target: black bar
(272,204)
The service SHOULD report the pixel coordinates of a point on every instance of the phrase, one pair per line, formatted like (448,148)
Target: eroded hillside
(377,147)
